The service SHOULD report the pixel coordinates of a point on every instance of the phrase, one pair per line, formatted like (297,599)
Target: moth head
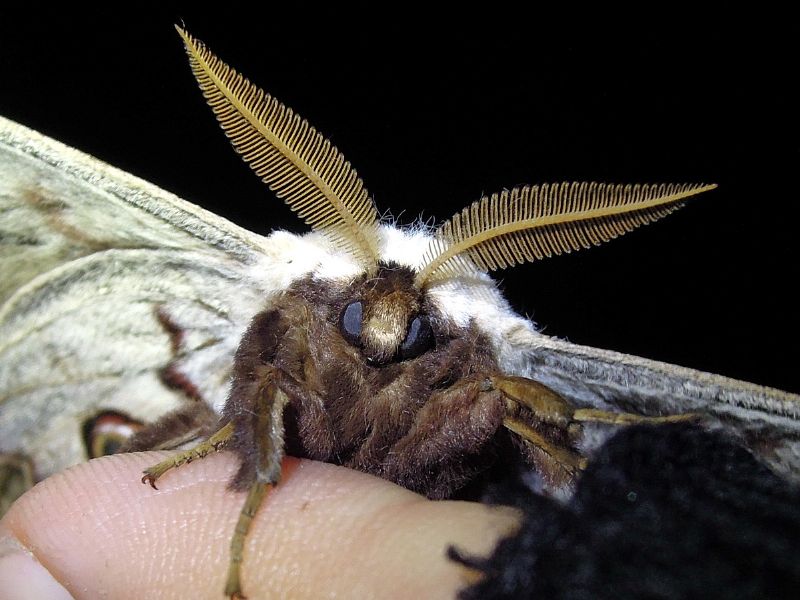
(385,318)
(507,228)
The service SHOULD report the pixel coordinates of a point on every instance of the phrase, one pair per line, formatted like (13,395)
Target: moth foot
(150,478)
(213,444)
(235,595)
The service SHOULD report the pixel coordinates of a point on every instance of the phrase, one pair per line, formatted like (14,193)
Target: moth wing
(109,283)
(767,419)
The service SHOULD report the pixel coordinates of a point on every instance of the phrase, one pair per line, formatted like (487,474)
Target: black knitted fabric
(661,512)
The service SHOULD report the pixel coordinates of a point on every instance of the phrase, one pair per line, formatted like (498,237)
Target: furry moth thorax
(450,264)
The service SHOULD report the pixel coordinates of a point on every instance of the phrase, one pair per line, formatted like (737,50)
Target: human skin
(325,531)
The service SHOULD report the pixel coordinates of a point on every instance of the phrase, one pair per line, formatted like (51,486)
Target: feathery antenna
(532,222)
(298,163)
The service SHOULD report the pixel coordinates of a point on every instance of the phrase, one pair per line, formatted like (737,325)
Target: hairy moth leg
(558,461)
(266,422)
(263,421)
(545,433)
(213,444)
(551,408)
(233,582)
(562,458)
(592,415)
(175,429)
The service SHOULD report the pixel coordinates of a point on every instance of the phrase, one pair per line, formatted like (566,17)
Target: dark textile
(661,512)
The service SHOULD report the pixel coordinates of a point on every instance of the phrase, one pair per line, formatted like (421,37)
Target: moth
(387,350)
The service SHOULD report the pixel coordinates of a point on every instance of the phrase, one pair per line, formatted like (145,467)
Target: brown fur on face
(391,301)
(424,423)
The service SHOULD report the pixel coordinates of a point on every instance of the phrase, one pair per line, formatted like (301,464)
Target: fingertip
(323,530)
(23,577)
(97,529)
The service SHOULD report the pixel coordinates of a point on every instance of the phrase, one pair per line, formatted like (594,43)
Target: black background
(436,109)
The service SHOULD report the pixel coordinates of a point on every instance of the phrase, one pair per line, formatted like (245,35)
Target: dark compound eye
(418,339)
(350,322)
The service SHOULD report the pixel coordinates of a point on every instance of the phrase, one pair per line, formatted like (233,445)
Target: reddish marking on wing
(173,378)
(172,328)
(171,375)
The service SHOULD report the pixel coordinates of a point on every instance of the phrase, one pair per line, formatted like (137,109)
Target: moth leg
(569,461)
(556,458)
(233,583)
(552,455)
(544,403)
(213,444)
(593,415)
(266,421)
(551,408)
